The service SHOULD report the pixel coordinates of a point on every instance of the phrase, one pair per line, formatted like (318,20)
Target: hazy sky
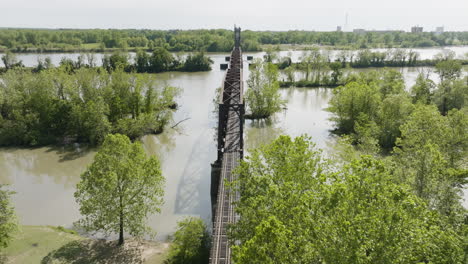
(249,14)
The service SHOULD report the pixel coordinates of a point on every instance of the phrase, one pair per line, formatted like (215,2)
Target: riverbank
(46,244)
(378,64)
(94,48)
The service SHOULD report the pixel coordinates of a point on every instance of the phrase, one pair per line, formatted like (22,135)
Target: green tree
(91,122)
(161,60)
(120,189)
(8,223)
(429,157)
(337,72)
(294,209)
(422,90)
(191,243)
(142,61)
(448,69)
(353,100)
(450,94)
(197,62)
(116,60)
(393,113)
(10,61)
(392,82)
(457,140)
(263,97)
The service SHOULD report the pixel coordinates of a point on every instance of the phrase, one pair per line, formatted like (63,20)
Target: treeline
(160,60)
(215,40)
(57,106)
(318,68)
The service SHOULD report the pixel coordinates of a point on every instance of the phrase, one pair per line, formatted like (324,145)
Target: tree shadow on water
(91,251)
(71,152)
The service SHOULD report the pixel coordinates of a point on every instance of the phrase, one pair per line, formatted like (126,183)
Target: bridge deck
(230,151)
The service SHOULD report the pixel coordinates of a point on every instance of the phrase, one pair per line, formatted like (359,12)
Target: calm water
(44,178)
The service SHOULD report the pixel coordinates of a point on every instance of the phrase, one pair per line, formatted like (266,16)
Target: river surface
(44,178)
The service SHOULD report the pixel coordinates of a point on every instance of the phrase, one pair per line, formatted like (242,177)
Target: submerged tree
(197,62)
(120,189)
(263,97)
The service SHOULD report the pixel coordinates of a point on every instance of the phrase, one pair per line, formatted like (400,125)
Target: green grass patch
(33,243)
(58,245)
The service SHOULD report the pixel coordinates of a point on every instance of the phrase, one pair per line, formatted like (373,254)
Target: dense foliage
(262,96)
(8,223)
(373,106)
(120,189)
(83,105)
(215,40)
(320,68)
(191,243)
(159,60)
(295,208)
(424,131)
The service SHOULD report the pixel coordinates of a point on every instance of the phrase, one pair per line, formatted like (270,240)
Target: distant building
(359,30)
(338,28)
(416,29)
(439,30)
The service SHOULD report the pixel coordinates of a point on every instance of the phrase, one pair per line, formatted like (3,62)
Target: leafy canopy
(120,189)
(294,208)
(191,243)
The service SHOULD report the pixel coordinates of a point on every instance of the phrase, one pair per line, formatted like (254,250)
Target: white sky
(322,15)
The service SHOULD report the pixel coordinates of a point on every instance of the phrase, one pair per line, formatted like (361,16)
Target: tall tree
(263,97)
(422,90)
(120,189)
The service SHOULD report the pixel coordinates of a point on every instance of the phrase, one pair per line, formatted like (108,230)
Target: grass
(47,245)
(90,46)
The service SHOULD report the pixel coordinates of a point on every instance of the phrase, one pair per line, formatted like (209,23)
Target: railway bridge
(230,151)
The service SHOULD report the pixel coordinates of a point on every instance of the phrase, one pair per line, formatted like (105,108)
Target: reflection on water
(261,132)
(306,113)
